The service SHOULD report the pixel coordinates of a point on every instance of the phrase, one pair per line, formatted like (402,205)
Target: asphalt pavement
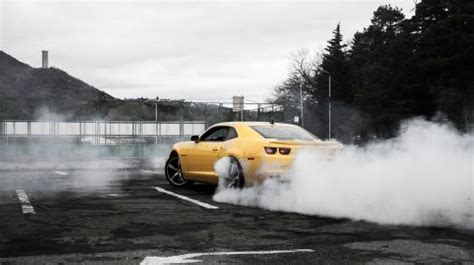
(133,216)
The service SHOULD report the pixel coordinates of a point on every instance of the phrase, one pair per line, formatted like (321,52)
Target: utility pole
(221,116)
(181,118)
(330,113)
(329,107)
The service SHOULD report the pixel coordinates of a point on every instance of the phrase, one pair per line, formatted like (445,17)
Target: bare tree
(303,65)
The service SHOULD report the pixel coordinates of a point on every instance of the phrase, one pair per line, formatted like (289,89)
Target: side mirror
(195,138)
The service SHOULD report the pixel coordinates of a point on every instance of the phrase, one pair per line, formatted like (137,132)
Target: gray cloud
(192,50)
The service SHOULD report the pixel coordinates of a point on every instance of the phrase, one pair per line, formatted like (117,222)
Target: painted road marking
(188,258)
(202,204)
(113,195)
(61,173)
(25,203)
(150,172)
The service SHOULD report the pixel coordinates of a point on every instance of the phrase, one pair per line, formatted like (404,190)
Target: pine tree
(397,68)
(386,78)
(335,62)
(446,56)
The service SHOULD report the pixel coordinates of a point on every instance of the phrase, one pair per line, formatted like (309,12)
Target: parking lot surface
(135,216)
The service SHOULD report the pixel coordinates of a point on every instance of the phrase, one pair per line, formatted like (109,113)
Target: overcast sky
(207,50)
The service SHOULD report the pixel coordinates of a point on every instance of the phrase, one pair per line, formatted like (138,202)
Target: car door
(204,154)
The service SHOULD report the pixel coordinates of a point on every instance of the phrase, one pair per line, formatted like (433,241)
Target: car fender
(244,152)
(173,150)
(229,149)
(182,150)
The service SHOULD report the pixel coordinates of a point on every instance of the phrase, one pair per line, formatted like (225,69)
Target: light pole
(301,104)
(156,109)
(329,129)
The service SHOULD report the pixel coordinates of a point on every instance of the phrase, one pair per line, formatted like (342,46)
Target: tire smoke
(422,177)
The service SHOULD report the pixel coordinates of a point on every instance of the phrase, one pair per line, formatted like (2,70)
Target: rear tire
(173,171)
(235,176)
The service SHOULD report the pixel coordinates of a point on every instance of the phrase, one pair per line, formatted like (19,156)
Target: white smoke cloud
(422,177)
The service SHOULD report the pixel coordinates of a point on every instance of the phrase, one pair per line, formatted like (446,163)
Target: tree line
(392,70)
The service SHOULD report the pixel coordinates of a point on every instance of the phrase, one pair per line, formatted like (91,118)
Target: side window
(219,134)
(231,134)
(216,134)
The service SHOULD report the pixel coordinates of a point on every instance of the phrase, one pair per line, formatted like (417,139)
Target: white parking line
(202,204)
(112,195)
(150,172)
(61,173)
(188,258)
(25,203)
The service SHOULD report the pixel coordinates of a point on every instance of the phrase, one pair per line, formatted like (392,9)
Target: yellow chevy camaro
(255,151)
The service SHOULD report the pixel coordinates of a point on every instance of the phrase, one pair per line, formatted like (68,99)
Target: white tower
(45,59)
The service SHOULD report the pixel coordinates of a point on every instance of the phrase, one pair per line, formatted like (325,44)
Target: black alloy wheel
(173,171)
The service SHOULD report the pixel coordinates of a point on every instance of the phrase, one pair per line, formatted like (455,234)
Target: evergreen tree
(334,63)
(386,78)
(396,68)
(446,56)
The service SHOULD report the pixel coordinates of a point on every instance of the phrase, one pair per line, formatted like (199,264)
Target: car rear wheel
(173,171)
(235,176)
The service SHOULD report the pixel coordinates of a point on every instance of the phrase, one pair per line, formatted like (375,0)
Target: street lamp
(329,129)
(301,104)
(156,109)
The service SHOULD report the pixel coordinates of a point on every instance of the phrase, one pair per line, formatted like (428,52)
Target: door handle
(215,149)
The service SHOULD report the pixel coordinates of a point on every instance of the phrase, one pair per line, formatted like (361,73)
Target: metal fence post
(2,128)
(258,112)
(28,128)
(220,114)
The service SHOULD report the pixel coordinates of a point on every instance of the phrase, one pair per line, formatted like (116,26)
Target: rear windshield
(284,133)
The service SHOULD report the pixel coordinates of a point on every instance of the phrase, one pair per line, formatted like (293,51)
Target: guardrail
(99,129)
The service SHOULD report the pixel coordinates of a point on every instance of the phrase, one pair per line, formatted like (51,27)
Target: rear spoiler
(306,143)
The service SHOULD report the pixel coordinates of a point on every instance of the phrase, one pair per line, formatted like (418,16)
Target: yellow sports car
(254,151)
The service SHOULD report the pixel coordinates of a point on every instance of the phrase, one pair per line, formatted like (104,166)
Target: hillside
(25,92)
(29,93)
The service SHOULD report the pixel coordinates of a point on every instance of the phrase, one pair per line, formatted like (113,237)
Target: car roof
(251,123)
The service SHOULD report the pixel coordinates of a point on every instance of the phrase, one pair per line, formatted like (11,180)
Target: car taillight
(270,150)
(284,151)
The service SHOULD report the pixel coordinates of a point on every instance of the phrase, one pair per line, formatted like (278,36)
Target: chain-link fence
(140,129)
(215,112)
(144,110)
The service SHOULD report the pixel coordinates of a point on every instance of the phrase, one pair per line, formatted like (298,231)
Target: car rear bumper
(265,167)
(262,168)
